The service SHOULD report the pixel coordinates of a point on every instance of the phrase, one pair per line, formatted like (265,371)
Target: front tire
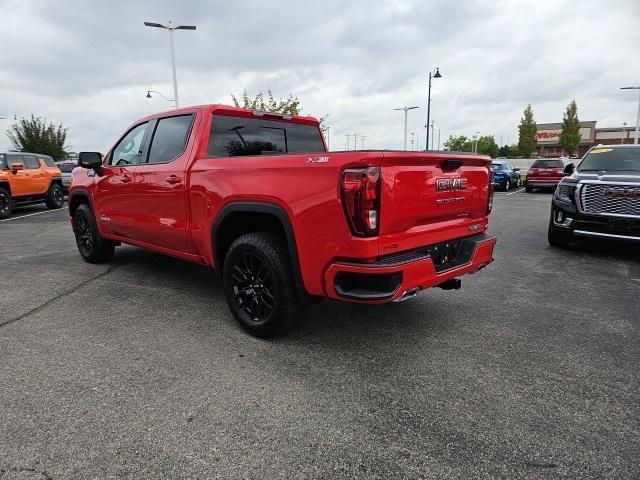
(92,247)
(55,196)
(6,204)
(258,284)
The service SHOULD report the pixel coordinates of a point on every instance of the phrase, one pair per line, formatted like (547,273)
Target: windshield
(498,166)
(611,159)
(66,167)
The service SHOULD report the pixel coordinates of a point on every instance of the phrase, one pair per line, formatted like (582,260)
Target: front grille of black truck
(610,199)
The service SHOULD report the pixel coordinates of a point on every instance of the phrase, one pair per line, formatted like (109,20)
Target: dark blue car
(505,175)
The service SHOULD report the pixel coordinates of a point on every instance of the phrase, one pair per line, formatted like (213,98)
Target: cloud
(89,64)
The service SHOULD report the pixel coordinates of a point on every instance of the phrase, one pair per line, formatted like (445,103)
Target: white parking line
(517,191)
(28,215)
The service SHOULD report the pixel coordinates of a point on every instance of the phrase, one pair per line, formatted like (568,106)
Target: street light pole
(435,74)
(171,28)
(638,116)
(406,110)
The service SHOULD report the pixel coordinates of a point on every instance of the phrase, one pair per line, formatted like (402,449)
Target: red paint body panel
(177,217)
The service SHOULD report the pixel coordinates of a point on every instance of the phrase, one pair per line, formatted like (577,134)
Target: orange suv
(27,178)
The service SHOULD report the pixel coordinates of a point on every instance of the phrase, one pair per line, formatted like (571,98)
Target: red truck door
(160,186)
(113,194)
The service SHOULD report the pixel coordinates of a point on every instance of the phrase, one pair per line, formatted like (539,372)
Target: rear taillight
(361,200)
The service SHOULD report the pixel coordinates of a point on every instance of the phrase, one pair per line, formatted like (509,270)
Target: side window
(31,162)
(128,151)
(11,159)
(231,136)
(170,138)
(48,161)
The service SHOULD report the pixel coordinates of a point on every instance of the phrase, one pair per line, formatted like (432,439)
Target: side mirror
(90,160)
(16,166)
(568,169)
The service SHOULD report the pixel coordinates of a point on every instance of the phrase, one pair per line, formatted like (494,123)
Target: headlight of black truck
(565,192)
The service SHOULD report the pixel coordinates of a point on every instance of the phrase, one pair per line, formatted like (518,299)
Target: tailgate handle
(451,164)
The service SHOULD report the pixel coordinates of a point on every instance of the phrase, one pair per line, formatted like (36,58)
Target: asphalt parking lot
(136,369)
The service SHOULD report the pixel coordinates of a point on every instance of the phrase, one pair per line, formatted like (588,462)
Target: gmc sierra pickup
(257,196)
(598,199)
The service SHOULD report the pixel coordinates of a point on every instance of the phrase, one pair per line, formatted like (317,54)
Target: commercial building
(549,138)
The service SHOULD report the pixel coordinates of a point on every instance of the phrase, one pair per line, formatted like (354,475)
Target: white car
(66,167)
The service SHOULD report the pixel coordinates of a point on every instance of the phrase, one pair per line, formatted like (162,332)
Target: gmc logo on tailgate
(450,184)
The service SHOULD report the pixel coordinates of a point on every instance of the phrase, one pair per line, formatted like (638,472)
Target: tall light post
(638,116)
(435,74)
(406,110)
(171,28)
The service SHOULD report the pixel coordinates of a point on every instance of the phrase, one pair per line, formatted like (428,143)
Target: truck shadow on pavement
(329,320)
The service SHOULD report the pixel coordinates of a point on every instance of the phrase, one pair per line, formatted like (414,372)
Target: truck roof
(220,109)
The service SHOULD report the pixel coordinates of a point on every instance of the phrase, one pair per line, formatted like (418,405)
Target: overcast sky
(88,64)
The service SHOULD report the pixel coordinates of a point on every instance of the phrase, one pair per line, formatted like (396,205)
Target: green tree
(527,130)
(289,105)
(457,143)
(37,136)
(570,135)
(504,151)
(487,146)
(514,151)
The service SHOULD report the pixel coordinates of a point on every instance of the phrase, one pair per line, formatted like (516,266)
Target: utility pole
(413,135)
(638,116)
(362,137)
(432,133)
(355,141)
(438,138)
(624,126)
(171,28)
(347,142)
(406,110)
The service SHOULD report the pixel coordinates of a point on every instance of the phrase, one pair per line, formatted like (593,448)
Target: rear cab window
(232,136)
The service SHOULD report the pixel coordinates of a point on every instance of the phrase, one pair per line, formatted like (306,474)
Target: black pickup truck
(600,198)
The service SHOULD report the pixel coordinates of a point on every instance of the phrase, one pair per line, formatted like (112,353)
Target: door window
(31,161)
(129,150)
(170,138)
(11,159)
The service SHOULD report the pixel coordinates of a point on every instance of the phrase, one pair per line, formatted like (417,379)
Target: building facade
(548,136)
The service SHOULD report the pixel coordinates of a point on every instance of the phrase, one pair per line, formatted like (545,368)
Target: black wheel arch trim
(77,193)
(283,217)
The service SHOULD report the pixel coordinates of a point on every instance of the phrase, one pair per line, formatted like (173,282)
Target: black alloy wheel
(84,235)
(259,286)
(253,289)
(6,204)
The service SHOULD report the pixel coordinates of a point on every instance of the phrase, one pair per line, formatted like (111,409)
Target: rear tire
(557,237)
(6,204)
(528,189)
(55,196)
(259,286)
(92,247)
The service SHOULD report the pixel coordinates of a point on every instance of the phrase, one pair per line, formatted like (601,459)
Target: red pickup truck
(257,196)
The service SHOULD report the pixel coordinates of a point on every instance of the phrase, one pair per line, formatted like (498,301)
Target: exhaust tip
(408,295)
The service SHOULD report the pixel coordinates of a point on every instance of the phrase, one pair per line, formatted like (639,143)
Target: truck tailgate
(429,198)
